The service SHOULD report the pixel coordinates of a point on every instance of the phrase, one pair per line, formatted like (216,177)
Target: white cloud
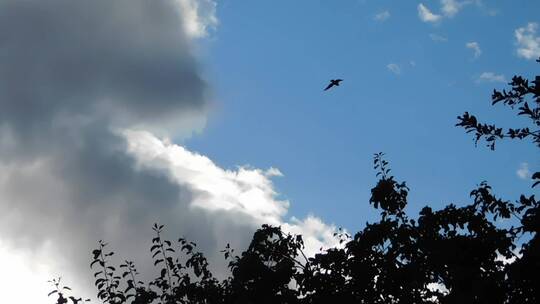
(273,172)
(438,38)
(484,8)
(451,7)
(491,77)
(382,16)
(244,190)
(528,42)
(199,16)
(437,287)
(315,233)
(426,15)
(475,47)
(394,68)
(523,172)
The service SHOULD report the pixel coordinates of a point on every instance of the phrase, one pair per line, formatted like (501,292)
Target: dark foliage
(521,88)
(515,97)
(60,292)
(453,255)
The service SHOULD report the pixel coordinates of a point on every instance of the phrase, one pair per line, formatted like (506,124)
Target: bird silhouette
(333,82)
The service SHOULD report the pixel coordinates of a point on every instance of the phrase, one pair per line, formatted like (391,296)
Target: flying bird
(333,82)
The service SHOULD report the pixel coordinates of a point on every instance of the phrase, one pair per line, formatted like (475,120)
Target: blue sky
(268,62)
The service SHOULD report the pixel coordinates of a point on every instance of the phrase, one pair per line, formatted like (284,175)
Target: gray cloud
(127,62)
(71,74)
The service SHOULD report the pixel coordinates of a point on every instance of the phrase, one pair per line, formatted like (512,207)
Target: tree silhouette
(522,274)
(458,254)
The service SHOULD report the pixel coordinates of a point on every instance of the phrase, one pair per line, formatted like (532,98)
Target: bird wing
(329,86)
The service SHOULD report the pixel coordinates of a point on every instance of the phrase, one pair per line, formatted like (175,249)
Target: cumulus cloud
(438,38)
(523,172)
(426,15)
(528,41)
(394,68)
(89,92)
(491,77)
(475,47)
(382,16)
(245,190)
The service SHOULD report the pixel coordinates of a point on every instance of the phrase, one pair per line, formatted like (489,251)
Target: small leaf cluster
(60,292)
(107,281)
(388,194)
